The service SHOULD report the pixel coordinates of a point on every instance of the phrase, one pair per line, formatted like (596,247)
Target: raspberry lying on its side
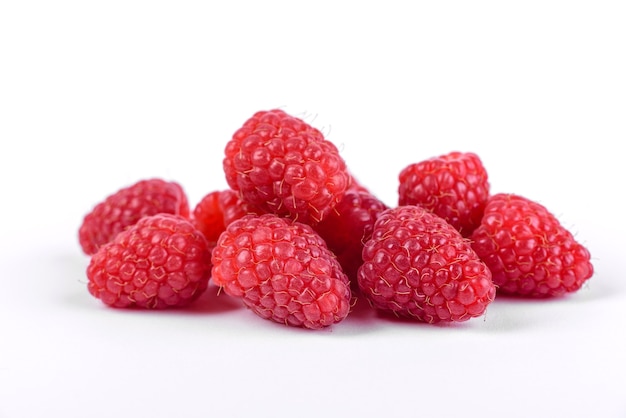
(282,270)
(418,266)
(128,205)
(349,226)
(527,249)
(284,166)
(161,261)
(453,186)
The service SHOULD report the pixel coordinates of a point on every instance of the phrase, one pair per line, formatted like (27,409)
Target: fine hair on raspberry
(282,270)
(416,265)
(282,165)
(160,262)
(128,205)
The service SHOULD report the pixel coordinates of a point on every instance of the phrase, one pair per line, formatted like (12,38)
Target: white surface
(95,97)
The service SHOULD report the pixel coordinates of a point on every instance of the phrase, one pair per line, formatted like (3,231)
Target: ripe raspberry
(418,266)
(284,166)
(161,261)
(454,186)
(233,207)
(527,249)
(349,226)
(208,217)
(218,209)
(126,206)
(282,270)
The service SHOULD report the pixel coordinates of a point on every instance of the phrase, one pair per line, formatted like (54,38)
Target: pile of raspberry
(298,239)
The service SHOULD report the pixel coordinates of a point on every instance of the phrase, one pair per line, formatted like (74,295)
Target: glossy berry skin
(160,262)
(126,206)
(234,207)
(216,210)
(454,186)
(529,252)
(209,218)
(284,166)
(349,226)
(282,270)
(416,265)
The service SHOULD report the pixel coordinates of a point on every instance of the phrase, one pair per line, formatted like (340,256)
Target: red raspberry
(233,207)
(284,166)
(162,261)
(218,209)
(209,218)
(418,266)
(454,186)
(349,226)
(282,270)
(126,206)
(527,249)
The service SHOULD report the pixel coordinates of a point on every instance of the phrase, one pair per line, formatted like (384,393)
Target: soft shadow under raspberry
(212,301)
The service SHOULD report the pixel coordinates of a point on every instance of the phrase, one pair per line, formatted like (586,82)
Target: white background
(97,95)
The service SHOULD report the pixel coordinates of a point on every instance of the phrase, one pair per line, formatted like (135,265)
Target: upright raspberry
(162,261)
(349,226)
(418,266)
(127,206)
(284,166)
(527,249)
(453,186)
(282,270)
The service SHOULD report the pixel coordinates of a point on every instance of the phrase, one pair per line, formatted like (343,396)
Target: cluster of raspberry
(296,237)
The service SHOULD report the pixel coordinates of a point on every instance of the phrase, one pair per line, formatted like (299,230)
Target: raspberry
(282,270)
(527,249)
(417,265)
(218,209)
(284,166)
(161,261)
(348,226)
(454,186)
(233,207)
(208,217)
(126,206)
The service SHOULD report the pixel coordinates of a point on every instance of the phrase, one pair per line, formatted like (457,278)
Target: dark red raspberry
(527,249)
(349,226)
(417,265)
(126,206)
(282,270)
(284,166)
(454,186)
(162,261)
